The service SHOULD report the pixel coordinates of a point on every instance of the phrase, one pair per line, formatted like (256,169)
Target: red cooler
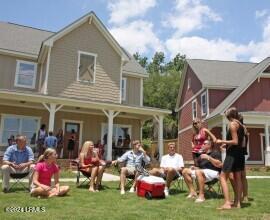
(150,187)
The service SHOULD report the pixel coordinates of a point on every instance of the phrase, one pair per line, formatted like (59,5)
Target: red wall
(256,97)
(216,96)
(255,143)
(184,142)
(196,85)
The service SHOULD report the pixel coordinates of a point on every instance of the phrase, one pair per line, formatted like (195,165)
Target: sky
(237,30)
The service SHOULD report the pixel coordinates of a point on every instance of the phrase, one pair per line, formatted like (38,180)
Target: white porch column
(267,145)
(51,107)
(223,153)
(159,119)
(110,115)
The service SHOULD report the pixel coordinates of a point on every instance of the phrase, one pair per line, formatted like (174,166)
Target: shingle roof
(20,38)
(245,81)
(219,73)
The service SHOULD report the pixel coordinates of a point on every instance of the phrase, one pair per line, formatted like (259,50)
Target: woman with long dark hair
(234,161)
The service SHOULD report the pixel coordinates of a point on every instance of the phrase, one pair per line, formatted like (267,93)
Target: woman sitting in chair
(90,163)
(44,170)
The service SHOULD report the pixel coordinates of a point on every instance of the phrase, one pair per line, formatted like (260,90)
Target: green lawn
(109,204)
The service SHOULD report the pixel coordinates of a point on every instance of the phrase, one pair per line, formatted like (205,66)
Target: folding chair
(210,186)
(129,178)
(18,177)
(76,164)
(178,182)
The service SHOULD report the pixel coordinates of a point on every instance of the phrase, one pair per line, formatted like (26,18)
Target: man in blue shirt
(18,158)
(131,158)
(50,141)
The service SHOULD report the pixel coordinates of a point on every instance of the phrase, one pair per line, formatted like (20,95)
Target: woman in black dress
(71,144)
(234,161)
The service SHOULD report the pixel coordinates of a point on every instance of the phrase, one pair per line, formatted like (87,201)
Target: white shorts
(209,174)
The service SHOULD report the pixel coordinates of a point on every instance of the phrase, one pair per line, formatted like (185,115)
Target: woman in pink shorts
(45,168)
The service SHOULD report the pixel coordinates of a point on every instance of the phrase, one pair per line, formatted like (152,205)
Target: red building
(209,87)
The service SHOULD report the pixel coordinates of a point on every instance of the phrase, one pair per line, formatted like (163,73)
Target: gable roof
(15,38)
(23,39)
(219,73)
(250,76)
(90,17)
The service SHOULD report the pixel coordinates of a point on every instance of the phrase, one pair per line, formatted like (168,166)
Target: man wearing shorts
(209,168)
(170,167)
(132,158)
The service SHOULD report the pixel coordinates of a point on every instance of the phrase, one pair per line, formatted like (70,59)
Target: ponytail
(46,154)
(41,158)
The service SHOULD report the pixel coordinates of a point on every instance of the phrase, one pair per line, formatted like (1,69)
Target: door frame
(64,121)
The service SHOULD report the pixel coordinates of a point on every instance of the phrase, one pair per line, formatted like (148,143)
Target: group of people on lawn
(206,151)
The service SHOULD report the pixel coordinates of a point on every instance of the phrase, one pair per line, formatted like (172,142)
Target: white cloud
(122,10)
(190,15)
(260,14)
(197,47)
(137,36)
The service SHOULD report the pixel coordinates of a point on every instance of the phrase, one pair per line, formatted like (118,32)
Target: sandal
(191,196)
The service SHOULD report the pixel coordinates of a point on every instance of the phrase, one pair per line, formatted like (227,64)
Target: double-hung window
(204,103)
(124,89)
(86,67)
(25,74)
(194,109)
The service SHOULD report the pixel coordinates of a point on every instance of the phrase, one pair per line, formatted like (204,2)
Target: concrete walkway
(106,177)
(109,177)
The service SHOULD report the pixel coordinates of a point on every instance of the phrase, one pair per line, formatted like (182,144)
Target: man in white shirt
(171,167)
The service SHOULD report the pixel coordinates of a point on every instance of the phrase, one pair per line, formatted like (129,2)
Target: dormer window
(86,67)
(25,74)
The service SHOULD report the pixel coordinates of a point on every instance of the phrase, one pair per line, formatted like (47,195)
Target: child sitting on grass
(45,168)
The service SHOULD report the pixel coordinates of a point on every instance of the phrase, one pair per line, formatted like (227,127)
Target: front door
(71,139)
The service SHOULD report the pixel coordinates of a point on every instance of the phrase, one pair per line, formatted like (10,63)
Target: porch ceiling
(31,100)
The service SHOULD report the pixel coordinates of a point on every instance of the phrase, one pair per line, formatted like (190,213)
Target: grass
(109,204)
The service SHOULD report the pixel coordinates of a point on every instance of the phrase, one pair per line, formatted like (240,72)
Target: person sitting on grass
(132,158)
(91,163)
(45,168)
(209,168)
(170,167)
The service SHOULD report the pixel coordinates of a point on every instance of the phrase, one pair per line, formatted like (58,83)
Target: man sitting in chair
(132,158)
(18,158)
(170,167)
(209,168)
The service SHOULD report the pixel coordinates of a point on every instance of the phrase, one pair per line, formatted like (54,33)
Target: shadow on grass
(176,191)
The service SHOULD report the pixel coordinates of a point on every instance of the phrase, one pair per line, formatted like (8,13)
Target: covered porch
(257,124)
(114,125)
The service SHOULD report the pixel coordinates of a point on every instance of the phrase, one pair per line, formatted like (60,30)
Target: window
(124,88)
(194,109)
(86,67)
(189,83)
(14,125)
(121,135)
(25,74)
(204,103)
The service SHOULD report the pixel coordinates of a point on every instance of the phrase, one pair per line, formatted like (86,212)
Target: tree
(161,90)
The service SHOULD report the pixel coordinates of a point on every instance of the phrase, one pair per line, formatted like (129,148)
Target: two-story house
(209,87)
(78,78)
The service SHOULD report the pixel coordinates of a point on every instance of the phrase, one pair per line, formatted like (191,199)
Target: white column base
(267,157)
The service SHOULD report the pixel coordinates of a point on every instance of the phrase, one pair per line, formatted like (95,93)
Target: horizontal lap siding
(64,62)
(194,87)
(184,144)
(216,96)
(132,91)
(255,144)
(8,71)
(256,97)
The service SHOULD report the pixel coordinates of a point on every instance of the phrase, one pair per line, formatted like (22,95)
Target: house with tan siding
(209,87)
(77,78)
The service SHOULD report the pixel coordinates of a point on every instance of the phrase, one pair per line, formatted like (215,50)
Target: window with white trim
(189,83)
(86,67)
(26,73)
(14,125)
(121,135)
(124,88)
(194,109)
(204,103)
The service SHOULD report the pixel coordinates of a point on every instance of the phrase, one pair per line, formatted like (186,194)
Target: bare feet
(91,189)
(224,207)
